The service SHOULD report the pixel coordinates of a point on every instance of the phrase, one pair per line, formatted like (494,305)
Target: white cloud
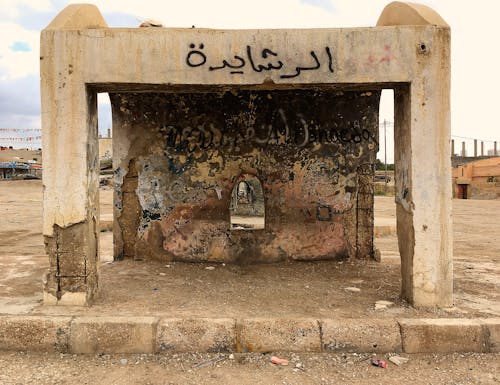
(13,9)
(17,64)
(474,29)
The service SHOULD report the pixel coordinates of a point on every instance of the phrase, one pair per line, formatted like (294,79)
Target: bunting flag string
(19,129)
(21,139)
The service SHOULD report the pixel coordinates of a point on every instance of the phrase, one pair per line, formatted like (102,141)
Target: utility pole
(385,156)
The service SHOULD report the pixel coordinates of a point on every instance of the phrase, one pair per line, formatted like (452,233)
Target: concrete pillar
(423,174)
(70,175)
(495,149)
(452,147)
(482,148)
(475,148)
(463,150)
(109,133)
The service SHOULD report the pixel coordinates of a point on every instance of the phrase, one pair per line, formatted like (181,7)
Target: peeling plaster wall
(313,151)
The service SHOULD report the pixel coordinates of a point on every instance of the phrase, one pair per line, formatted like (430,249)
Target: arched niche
(247,207)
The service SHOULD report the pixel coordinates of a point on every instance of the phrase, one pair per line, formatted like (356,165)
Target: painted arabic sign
(259,61)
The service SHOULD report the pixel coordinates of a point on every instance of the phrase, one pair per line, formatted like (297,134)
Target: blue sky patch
(327,5)
(20,46)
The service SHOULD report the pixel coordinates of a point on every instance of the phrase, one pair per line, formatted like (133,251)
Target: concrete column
(463,150)
(109,133)
(475,148)
(452,147)
(423,174)
(495,149)
(71,167)
(482,148)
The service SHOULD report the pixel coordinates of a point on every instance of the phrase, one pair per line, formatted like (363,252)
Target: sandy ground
(288,290)
(312,289)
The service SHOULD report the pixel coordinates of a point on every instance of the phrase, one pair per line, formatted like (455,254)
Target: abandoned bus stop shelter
(245,146)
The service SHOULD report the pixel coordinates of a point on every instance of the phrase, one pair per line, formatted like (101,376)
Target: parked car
(381,178)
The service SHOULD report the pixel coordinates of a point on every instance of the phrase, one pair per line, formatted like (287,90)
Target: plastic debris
(218,190)
(398,360)
(379,363)
(213,361)
(279,361)
(210,268)
(353,289)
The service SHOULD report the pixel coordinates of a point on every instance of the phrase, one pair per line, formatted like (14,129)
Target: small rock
(398,360)
(168,266)
(162,274)
(353,289)
(210,268)
(123,361)
(231,356)
(380,305)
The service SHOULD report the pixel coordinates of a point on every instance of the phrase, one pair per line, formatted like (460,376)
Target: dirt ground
(246,369)
(288,290)
(310,289)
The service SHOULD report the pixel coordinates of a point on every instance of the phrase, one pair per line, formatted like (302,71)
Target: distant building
(20,164)
(477,180)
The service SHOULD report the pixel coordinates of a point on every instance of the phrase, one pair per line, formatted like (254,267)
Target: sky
(475,52)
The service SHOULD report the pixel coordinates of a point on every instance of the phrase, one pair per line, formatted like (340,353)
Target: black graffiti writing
(298,70)
(197,58)
(282,131)
(330,59)
(265,53)
(228,65)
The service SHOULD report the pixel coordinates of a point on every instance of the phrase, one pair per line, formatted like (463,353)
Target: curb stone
(35,333)
(273,334)
(196,335)
(361,335)
(443,335)
(113,335)
(91,335)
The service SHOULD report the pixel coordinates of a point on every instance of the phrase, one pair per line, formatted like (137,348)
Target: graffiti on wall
(297,132)
(260,60)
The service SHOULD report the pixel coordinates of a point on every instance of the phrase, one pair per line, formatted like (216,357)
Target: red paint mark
(386,57)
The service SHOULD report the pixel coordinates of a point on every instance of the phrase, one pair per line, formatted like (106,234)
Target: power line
(469,138)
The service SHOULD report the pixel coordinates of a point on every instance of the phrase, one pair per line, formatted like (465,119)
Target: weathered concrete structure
(221,131)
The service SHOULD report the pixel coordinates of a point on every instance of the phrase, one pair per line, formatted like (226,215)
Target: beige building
(477,180)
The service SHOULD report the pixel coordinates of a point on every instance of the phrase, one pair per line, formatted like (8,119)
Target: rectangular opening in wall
(384,168)
(384,180)
(106,180)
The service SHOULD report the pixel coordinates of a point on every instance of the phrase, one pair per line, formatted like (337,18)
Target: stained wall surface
(180,155)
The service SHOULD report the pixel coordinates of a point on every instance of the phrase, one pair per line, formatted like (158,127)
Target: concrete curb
(85,334)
